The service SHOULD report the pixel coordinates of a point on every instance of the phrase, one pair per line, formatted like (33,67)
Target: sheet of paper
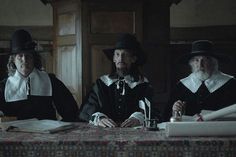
(35,125)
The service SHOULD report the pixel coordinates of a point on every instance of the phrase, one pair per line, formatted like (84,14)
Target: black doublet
(118,100)
(42,107)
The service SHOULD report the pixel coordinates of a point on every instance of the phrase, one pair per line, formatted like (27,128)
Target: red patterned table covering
(90,141)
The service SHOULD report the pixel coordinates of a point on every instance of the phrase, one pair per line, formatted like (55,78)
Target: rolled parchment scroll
(217,114)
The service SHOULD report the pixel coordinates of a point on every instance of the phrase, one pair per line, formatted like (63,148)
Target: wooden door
(83,28)
(102,21)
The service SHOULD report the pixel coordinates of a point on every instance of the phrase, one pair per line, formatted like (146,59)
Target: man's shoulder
(54,80)
(51,75)
(232,81)
(3,82)
(180,84)
(106,79)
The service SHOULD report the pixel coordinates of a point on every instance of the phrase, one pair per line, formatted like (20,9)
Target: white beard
(201,75)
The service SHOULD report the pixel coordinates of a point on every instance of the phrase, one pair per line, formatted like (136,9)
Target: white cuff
(96,117)
(139,116)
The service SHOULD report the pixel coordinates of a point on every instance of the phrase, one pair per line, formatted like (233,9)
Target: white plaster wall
(25,13)
(193,13)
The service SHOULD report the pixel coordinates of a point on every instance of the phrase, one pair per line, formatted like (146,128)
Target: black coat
(42,107)
(222,97)
(110,101)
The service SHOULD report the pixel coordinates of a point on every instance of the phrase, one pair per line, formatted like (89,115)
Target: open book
(35,125)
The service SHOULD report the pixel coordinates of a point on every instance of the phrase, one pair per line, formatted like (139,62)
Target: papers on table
(229,117)
(214,123)
(35,125)
(220,113)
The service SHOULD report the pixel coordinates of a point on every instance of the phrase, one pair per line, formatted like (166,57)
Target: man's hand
(179,106)
(106,122)
(130,122)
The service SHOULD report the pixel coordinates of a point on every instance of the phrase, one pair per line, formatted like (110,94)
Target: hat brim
(220,57)
(22,51)
(141,56)
(109,53)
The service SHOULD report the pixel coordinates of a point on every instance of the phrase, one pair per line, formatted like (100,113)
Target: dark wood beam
(43,33)
(216,33)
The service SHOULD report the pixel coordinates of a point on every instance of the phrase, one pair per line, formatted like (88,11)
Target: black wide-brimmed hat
(204,48)
(21,42)
(129,42)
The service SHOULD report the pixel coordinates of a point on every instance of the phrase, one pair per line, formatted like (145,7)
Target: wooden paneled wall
(97,25)
(67,45)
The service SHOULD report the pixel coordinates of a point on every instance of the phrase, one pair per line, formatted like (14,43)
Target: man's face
(24,63)
(202,66)
(123,59)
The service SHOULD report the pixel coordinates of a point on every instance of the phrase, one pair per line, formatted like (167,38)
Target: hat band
(30,46)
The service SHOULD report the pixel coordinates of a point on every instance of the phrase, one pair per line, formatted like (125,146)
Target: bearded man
(206,88)
(114,99)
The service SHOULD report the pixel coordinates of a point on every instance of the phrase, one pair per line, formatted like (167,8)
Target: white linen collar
(128,79)
(16,86)
(216,81)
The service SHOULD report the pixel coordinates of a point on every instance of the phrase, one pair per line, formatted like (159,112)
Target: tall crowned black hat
(21,42)
(129,42)
(204,48)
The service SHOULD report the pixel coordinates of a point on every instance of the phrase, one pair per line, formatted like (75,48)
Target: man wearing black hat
(114,99)
(29,92)
(206,88)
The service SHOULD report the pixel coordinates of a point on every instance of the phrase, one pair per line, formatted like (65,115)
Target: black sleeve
(63,100)
(2,99)
(174,96)
(90,105)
